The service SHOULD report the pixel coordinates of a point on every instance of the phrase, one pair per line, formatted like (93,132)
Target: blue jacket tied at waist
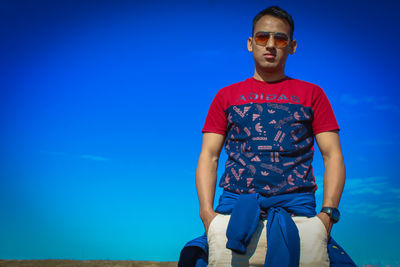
(283,239)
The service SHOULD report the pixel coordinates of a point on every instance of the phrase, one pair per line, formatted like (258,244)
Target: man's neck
(269,76)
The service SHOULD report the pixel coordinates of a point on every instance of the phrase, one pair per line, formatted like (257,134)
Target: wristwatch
(333,213)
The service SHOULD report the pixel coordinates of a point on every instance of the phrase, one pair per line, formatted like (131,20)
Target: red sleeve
(216,119)
(324,118)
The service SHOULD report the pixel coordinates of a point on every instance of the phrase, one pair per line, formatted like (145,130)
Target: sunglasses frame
(274,34)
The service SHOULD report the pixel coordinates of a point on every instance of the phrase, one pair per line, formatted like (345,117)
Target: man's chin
(269,69)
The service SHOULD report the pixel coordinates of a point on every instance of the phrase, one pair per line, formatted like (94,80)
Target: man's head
(272,40)
(277,12)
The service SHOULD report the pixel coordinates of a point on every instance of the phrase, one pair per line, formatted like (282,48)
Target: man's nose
(271,42)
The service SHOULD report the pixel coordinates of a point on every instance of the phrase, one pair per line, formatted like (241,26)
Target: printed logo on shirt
(254,96)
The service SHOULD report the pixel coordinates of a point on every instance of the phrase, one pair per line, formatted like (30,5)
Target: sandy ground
(90,263)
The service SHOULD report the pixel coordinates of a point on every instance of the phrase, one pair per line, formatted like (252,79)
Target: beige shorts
(313,243)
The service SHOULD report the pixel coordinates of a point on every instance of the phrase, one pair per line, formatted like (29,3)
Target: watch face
(335,214)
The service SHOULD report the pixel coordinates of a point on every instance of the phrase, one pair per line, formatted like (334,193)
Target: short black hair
(278,12)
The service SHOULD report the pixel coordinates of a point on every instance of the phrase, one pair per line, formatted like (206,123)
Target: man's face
(270,58)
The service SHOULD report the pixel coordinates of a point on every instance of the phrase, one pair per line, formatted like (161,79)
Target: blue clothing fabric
(193,256)
(283,240)
(283,237)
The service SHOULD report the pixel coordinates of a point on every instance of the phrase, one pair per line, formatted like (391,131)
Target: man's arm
(334,175)
(206,175)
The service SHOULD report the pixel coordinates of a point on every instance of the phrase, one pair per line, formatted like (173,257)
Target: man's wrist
(332,212)
(325,216)
(205,212)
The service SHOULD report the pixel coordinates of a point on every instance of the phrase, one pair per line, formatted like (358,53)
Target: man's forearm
(334,179)
(206,177)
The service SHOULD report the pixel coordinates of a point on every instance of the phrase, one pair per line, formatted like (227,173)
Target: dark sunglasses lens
(262,38)
(281,40)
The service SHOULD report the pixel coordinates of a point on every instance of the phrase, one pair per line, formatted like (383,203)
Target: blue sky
(103,102)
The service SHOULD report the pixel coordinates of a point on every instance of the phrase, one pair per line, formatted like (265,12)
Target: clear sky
(102,105)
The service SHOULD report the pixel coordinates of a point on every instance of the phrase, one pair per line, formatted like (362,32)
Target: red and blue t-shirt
(269,133)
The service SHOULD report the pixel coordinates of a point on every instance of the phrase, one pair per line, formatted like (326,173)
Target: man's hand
(207,217)
(326,220)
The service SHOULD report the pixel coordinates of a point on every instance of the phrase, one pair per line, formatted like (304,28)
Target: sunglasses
(281,39)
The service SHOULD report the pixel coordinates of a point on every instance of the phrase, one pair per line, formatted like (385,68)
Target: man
(266,214)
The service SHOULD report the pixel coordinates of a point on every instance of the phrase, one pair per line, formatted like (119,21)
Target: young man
(266,214)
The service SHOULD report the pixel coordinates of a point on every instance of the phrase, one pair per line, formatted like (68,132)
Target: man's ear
(293,46)
(250,44)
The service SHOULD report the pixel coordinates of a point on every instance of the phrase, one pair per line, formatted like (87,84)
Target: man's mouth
(269,56)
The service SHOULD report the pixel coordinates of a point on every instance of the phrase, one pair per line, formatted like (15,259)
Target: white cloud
(378,142)
(395,192)
(361,194)
(386,210)
(354,100)
(93,157)
(376,102)
(389,107)
(366,185)
(81,156)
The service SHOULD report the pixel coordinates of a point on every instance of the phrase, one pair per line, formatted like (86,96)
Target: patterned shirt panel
(269,134)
